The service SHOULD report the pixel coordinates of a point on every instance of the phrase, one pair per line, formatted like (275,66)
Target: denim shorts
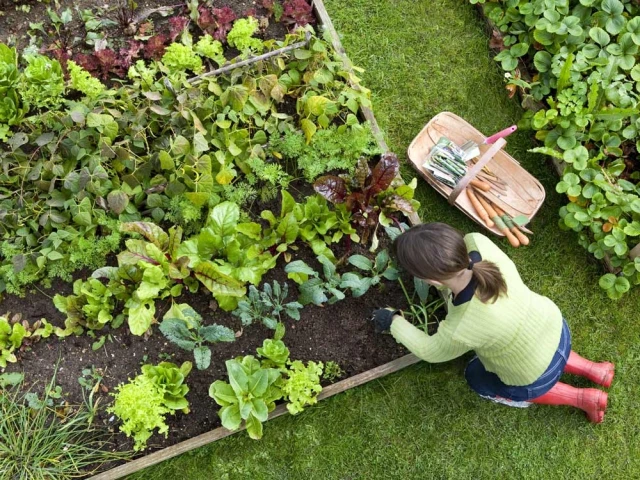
(487,384)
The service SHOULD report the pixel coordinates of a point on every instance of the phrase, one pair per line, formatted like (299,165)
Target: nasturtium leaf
(117,201)
(200,144)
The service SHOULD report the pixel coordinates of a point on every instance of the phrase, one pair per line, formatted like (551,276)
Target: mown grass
(422,57)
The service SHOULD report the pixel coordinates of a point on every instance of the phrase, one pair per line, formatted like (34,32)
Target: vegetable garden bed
(128,183)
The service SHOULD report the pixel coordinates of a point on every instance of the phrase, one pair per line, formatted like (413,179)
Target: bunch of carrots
(492,215)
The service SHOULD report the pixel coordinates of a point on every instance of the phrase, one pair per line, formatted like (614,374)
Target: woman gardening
(521,340)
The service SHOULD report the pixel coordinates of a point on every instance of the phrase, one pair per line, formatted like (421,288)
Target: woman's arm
(440,347)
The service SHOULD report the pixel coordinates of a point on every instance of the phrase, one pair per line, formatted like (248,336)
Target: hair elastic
(471,264)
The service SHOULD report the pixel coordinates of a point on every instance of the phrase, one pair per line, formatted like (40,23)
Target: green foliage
(140,406)
(240,257)
(140,154)
(313,222)
(332,371)
(183,326)
(381,267)
(210,48)
(170,379)
(425,304)
(316,290)
(275,353)
(82,81)
(11,108)
(43,82)
(15,333)
(371,195)
(302,385)
(91,306)
(586,113)
(179,57)
(249,396)
(267,306)
(333,148)
(241,36)
(61,443)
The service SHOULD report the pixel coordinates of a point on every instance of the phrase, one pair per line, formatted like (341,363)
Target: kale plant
(183,326)
(267,306)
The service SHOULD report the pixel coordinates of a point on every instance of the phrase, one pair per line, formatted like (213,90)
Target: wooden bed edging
(221,432)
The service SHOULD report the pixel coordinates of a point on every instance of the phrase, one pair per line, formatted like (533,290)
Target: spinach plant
(313,288)
(382,267)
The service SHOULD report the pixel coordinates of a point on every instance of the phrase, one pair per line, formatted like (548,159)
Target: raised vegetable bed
(107,357)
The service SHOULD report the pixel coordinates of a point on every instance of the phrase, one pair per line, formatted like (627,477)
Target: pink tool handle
(501,134)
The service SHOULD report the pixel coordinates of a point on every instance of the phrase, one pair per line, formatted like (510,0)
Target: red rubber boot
(601,373)
(591,400)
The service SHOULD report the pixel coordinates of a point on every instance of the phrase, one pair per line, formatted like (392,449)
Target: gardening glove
(382,318)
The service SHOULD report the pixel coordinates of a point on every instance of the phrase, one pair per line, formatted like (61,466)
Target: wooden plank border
(221,432)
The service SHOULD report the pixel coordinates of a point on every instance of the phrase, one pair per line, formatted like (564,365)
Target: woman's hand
(382,318)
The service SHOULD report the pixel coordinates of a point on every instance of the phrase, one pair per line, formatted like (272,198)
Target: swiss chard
(367,193)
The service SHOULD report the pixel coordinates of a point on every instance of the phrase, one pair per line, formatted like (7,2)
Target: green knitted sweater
(515,337)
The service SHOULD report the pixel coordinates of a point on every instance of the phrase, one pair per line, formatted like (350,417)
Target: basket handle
(471,174)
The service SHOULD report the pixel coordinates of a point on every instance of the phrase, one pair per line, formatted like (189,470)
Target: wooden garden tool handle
(522,238)
(471,174)
(500,225)
(482,213)
(480,185)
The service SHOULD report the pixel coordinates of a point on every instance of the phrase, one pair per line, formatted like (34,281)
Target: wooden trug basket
(525,194)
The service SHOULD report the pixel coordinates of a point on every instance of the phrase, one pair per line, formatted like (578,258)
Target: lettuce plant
(43,82)
(90,306)
(140,406)
(249,395)
(11,108)
(178,58)
(210,48)
(82,81)
(143,403)
(275,353)
(302,385)
(170,378)
(241,36)
(187,332)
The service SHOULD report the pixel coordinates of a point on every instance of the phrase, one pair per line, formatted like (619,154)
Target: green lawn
(422,57)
